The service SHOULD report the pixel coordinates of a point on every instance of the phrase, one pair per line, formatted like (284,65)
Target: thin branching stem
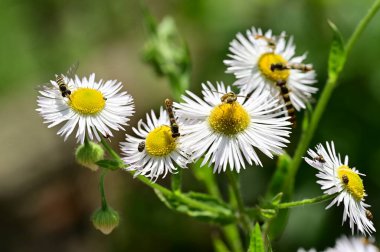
(318,199)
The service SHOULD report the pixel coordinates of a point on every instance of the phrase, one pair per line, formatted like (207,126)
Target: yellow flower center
(87,101)
(160,142)
(265,63)
(229,118)
(351,182)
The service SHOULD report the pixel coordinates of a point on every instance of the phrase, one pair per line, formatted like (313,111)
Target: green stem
(102,193)
(327,91)
(318,199)
(243,217)
(110,151)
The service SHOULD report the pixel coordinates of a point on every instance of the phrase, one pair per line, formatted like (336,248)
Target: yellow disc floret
(87,101)
(229,118)
(351,182)
(269,59)
(160,142)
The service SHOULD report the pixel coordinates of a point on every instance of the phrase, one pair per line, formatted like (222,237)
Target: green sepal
(268,213)
(110,164)
(337,55)
(256,243)
(199,206)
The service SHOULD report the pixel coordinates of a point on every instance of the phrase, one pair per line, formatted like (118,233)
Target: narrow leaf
(109,164)
(199,206)
(256,243)
(337,55)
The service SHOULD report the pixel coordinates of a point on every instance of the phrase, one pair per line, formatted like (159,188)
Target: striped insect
(229,97)
(369,215)
(61,80)
(284,91)
(319,159)
(173,124)
(270,41)
(288,66)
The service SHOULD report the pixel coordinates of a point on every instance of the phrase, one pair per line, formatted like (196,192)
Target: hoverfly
(173,124)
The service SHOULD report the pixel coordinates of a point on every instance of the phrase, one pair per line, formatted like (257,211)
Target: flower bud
(105,220)
(88,154)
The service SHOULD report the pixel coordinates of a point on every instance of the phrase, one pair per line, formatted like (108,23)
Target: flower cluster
(225,129)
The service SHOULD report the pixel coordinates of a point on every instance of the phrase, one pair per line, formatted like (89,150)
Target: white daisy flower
(353,244)
(228,132)
(154,152)
(336,177)
(95,106)
(261,61)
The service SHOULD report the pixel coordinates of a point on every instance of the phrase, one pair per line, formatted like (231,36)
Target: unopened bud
(88,154)
(105,220)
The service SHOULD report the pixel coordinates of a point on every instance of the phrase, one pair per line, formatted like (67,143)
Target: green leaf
(110,164)
(199,206)
(219,245)
(337,55)
(256,243)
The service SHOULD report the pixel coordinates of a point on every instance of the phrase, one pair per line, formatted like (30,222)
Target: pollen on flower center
(265,63)
(160,142)
(87,101)
(351,182)
(229,118)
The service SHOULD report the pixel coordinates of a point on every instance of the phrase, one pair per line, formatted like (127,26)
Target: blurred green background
(46,200)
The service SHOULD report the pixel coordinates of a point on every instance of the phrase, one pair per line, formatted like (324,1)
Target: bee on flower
(154,152)
(95,107)
(228,129)
(262,61)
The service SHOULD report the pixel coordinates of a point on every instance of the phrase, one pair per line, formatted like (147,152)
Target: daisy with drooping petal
(261,61)
(95,106)
(353,244)
(228,132)
(336,177)
(154,152)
